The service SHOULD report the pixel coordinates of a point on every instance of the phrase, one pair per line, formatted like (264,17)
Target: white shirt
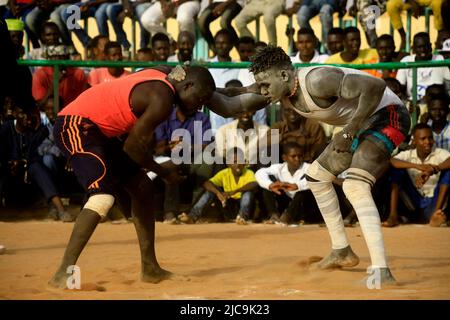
(425,76)
(318,58)
(436,157)
(221,77)
(281,173)
(228,136)
(173,58)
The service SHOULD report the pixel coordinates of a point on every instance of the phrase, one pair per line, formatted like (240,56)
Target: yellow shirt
(364,56)
(225,179)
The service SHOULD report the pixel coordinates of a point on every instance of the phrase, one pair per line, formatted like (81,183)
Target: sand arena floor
(220,261)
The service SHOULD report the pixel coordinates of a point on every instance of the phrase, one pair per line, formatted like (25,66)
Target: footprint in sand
(306,263)
(89,287)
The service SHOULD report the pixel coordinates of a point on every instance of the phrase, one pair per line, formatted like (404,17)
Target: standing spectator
(285,188)
(269,9)
(223,44)
(20,140)
(352,53)
(306,46)
(160,47)
(323,8)
(386,53)
(185,11)
(113,52)
(227,10)
(234,187)
(185,44)
(19,9)
(72,81)
(395,8)
(307,133)
(425,181)
(335,41)
(422,51)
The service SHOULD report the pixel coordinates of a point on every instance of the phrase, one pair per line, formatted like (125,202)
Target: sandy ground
(221,261)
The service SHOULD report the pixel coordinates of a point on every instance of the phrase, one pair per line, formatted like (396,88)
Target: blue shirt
(196,125)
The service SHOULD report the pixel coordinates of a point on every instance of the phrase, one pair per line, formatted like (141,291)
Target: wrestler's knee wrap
(100,203)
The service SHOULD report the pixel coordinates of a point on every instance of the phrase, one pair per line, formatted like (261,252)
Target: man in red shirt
(72,81)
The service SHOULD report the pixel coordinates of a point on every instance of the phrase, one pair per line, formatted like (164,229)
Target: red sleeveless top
(108,105)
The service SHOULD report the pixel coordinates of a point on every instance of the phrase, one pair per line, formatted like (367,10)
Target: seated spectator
(15,28)
(438,111)
(311,8)
(307,133)
(352,53)
(21,161)
(89,8)
(227,10)
(396,87)
(224,44)
(135,9)
(97,48)
(306,46)
(185,46)
(422,51)
(245,76)
(385,46)
(286,192)
(245,48)
(72,81)
(50,36)
(335,41)
(367,17)
(422,173)
(395,8)
(185,11)
(445,51)
(168,140)
(244,133)
(19,9)
(255,9)
(234,187)
(113,52)
(160,47)
(440,39)
(144,55)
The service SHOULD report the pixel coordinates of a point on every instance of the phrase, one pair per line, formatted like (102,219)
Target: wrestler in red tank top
(108,104)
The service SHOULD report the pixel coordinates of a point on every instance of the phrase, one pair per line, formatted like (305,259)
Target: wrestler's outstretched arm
(227,106)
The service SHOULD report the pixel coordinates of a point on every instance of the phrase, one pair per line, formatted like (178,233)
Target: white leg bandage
(357,188)
(100,203)
(328,203)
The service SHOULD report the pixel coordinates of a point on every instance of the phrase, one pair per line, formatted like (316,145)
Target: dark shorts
(99,162)
(390,125)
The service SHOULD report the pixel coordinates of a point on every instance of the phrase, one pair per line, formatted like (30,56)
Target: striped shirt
(442,140)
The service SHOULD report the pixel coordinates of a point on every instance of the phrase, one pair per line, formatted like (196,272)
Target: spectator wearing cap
(15,28)
(72,81)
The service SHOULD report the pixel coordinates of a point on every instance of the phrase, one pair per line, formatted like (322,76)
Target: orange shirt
(100,75)
(108,104)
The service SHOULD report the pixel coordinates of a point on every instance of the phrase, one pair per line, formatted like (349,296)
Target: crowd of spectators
(254,191)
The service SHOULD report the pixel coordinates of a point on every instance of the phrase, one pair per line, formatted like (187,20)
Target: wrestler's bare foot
(386,277)
(392,221)
(338,258)
(156,275)
(438,218)
(59,280)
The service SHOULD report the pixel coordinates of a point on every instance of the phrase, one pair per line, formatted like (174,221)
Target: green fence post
(427,20)
(86,27)
(408,31)
(257,29)
(290,39)
(55,89)
(414,95)
(133,38)
(27,44)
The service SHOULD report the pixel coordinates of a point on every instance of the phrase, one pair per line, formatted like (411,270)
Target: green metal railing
(57,64)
